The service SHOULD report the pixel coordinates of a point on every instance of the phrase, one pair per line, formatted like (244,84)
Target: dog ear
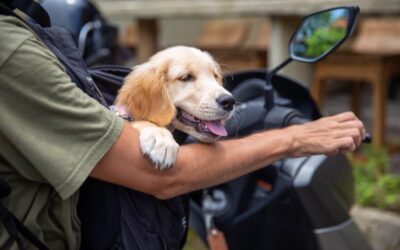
(145,94)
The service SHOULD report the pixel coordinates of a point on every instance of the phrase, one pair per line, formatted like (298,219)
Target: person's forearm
(203,165)
(197,166)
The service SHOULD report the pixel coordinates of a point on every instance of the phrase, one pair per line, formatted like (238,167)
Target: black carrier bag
(112,217)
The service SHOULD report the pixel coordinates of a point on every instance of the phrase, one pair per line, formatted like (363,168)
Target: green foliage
(374,185)
(323,39)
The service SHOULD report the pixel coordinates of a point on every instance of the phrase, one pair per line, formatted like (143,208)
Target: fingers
(355,129)
(331,135)
(341,145)
(347,144)
(346,116)
(350,132)
(354,124)
(348,120)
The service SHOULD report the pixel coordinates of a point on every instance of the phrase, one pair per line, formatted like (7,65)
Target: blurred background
(362,76)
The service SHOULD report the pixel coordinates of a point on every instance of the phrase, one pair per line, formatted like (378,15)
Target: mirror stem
(275,70)
(268,90)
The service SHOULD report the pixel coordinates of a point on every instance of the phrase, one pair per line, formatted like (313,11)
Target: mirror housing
(322,32)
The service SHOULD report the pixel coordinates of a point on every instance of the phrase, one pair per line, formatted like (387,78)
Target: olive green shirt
(51,136)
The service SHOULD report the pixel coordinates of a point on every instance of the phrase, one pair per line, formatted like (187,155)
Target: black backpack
(112,217)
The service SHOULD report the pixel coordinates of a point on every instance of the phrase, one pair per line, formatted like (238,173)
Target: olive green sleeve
(58,131)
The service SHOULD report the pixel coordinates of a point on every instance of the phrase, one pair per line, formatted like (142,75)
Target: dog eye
(187,78)
(218,76)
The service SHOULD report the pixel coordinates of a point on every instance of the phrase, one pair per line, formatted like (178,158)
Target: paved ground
(338,100)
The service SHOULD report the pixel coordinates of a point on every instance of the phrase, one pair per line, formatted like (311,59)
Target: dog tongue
(216,127)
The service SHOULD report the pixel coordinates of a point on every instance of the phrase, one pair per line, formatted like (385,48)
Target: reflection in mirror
(320,33)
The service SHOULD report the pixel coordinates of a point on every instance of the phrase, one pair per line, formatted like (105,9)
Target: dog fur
(176,89)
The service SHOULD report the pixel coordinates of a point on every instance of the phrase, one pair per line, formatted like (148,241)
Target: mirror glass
(319,33)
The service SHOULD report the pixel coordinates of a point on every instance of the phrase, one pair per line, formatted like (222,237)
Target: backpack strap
(5,189)
(14,227)
(31,8)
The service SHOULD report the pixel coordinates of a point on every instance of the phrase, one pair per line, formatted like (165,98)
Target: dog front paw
(159,145)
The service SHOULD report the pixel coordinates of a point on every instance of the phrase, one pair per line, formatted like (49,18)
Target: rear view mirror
(320,33)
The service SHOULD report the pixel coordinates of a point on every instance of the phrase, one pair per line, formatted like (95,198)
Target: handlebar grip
(367,138)
(295,120)
(280,117)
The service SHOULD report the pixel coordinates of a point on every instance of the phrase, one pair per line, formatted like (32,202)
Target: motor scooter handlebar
(280,117)
(296,119)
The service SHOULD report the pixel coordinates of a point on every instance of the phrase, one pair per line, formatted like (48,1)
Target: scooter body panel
(324,186)
(345,236)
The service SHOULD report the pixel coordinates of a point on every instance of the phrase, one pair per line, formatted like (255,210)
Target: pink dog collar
(121,111)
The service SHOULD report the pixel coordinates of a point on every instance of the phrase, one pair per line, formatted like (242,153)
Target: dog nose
(226,101)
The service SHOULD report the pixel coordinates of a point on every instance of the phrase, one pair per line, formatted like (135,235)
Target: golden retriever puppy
(178,88)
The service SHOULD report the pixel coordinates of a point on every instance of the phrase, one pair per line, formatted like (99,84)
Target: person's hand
(329,135)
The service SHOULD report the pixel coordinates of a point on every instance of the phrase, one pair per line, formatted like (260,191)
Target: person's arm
(203,165)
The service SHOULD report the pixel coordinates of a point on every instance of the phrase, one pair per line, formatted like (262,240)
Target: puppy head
(181,87)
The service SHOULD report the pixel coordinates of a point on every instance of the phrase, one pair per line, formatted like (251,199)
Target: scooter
(295,203)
